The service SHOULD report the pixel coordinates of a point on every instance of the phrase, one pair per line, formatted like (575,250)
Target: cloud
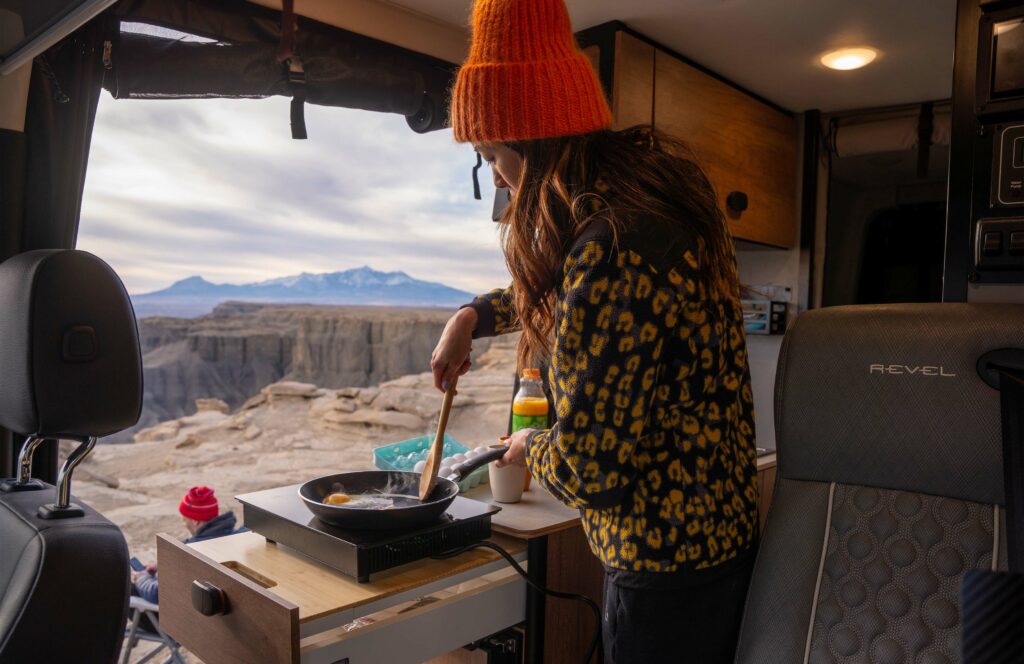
(218,188)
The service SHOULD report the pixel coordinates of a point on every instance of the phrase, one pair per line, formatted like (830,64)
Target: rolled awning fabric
(237,58)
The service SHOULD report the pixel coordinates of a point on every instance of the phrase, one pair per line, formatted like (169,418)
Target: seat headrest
(69,360)
(889,396)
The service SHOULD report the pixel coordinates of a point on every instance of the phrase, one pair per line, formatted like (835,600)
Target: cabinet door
(742,144)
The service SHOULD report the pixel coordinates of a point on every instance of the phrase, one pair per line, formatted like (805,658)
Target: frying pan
(408,511)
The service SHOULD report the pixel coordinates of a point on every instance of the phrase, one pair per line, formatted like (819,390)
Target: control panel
(999,244)
(998,233)
(1008,169)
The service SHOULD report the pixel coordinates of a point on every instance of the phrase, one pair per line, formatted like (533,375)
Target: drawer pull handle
(208,599)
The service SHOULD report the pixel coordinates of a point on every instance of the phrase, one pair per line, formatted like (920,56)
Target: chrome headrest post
(25,458)
(24,481)
(64,476)
(63,508)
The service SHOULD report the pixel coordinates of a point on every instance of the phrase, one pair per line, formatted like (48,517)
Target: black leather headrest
(69,348)
(889,396)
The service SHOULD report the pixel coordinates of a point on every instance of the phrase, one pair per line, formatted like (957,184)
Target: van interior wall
(860,188)
(777,267)
(760,265)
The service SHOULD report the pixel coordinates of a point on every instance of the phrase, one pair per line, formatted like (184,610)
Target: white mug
(507,482)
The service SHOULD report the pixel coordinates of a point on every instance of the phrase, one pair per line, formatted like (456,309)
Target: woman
(623,274)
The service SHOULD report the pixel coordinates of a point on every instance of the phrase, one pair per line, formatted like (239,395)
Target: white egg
(480,450)
(420,465)
(459,458)
(472,454)
(444,471)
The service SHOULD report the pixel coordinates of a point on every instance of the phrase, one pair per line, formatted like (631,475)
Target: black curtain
(65,90)
(43,173)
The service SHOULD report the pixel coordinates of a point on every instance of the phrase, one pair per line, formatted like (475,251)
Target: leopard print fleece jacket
(654,439)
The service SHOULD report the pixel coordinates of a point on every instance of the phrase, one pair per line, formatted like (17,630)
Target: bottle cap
(531,374)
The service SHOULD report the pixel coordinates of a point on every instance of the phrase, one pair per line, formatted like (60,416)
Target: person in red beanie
(624,282)
(201,515)
(200,512)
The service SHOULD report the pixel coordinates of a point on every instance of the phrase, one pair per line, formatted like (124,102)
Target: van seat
(889,486)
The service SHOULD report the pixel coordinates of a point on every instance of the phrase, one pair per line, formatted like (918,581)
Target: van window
(289,294)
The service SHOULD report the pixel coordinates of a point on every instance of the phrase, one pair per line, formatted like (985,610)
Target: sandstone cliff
(288,433)
(239,348)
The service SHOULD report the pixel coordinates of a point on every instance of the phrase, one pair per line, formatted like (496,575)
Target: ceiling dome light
(849,58)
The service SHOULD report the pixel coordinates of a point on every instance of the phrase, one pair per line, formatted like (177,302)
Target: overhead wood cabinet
(744,145)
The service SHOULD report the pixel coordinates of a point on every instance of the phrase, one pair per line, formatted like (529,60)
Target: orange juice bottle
(530,406)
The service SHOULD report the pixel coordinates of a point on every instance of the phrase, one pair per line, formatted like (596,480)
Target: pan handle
(493,453)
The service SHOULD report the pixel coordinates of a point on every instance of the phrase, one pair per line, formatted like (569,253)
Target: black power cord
(595,639)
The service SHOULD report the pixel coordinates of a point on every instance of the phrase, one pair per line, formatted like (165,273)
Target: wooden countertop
(535,515)
(539,514)
(320,591)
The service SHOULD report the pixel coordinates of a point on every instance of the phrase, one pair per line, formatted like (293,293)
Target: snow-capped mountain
(195,296)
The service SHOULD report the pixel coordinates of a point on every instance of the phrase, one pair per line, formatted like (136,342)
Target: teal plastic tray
(405,454)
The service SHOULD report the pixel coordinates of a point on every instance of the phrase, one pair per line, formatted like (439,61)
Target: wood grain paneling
(742,144)
(259,626)
(633,89)
(572,568)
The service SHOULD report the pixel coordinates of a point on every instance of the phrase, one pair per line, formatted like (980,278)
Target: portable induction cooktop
(280,516)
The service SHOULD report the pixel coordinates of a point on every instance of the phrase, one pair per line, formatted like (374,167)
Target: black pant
(693,618)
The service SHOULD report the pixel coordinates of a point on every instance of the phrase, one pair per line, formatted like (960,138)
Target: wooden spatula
(429,477)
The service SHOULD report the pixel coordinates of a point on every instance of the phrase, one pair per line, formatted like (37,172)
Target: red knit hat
(200,504)
(525,78)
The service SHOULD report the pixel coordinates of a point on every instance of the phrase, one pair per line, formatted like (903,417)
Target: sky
(218,188)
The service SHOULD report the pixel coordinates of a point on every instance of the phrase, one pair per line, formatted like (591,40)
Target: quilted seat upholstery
(889,485)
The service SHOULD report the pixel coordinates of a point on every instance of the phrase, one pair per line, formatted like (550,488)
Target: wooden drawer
(286,608)
(259,625)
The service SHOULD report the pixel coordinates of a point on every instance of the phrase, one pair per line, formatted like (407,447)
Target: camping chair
(139,608)
(890,484)
(70,368)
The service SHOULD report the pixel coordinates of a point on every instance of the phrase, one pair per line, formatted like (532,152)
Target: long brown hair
(639,174)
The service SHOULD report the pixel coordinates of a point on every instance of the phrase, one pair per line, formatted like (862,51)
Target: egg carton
(404,455)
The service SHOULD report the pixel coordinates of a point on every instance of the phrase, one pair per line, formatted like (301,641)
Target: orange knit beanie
(525,77)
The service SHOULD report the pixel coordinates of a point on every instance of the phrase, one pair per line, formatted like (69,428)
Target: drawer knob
(737,201)
(208,599)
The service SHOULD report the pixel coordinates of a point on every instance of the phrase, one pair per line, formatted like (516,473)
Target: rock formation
(239,348)
(290,432)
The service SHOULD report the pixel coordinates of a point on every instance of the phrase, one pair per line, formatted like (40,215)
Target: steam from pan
(400,491)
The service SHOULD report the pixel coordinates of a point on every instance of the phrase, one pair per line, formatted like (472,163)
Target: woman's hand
(516,454)
(451,355)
